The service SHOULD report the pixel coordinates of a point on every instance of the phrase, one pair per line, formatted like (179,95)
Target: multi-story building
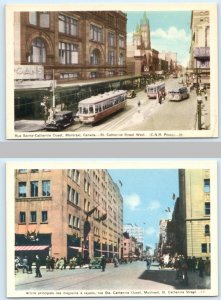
(135,231)
(199,63)
(193,213)
(129,246)
(66,213)
(171,59)
(62,49)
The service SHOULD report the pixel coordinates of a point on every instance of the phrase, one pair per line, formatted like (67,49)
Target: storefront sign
(28,72)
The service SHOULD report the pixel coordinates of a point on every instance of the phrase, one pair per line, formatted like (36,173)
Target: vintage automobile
(131,94)
(95,263)
(61,120)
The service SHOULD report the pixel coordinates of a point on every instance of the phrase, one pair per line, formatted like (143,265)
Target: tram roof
(102,97)
(156,84)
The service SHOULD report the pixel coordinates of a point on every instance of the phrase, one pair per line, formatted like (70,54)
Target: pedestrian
(65,263)
(115,261)
(38,265)
(138,104)
(103,263)
(29,266)
(148,263)
(207,266)
(205,96)
(52,263)
(201,267)
(48,263)
(25,265)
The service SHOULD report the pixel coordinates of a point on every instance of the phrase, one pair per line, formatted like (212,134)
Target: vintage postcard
(138,71)
(112,228)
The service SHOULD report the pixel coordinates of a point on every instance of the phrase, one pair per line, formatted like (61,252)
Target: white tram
(96,108)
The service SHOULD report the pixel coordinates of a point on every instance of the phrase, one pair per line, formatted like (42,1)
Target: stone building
(77,45)
(199,63)
(192,213)
(66,213)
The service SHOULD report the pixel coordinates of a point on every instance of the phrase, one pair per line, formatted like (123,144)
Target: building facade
(135,231)
(199,63)
(193,212)
(66,213)
(76,45)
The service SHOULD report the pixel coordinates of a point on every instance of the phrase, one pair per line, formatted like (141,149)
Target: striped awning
(31,248)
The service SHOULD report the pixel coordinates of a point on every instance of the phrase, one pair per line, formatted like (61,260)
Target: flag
(89,213)
(103,217)
(174,196)
(121,184)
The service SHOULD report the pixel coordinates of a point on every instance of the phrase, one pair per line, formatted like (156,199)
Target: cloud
(171,34)
(150,230)
(132,201)
(153,205)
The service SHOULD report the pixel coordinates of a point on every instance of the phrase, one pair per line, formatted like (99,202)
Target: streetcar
(92,110)
(156,89)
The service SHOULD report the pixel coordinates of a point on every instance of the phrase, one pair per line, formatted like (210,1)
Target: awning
(31,248)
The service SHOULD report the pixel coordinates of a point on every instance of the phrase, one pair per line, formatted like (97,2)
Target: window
(46,188)
(33,217)
(70,220)
(34,170)
(38,51)
(207,208)
(22,217)
(207,230)
(204,248)
(22,171)
(206,185)
(111,57)
(75,197)
(39,18)
(69,75)
(121,59)
(68,193)
(95,57)
(111,39)
(22,189)
(96,33)
(68,53)
(44,216)
(34,188)
(85,204)
(85,185)
(121,41)
(68,25)
(76,222)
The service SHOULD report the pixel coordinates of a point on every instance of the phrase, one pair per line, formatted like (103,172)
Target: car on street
(61,120)
(95,263)
(131,94)
(178,94)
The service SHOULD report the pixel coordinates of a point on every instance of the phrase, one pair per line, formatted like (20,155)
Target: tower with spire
(141,36)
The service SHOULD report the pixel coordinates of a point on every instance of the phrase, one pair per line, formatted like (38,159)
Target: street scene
(112,229)
(112,71)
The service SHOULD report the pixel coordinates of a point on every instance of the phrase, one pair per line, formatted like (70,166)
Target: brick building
(66,213)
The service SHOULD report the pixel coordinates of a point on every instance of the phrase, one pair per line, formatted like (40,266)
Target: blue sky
(147,194)
(170,31)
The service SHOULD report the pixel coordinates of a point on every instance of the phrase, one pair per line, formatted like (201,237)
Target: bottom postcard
(112,228)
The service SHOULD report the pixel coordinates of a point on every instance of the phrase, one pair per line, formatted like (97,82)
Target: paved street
(170,115)
(133,276)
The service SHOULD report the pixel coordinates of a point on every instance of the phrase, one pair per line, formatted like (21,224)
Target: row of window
(72,195)
(33,217)
(74,175)
(69,54)
(73,221)
(34,189)
(70,26)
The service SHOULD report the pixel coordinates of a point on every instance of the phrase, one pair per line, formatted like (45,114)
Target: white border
(213,132)
(110,164)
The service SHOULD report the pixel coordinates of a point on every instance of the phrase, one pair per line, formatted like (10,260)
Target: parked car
(131,94)
(61,120)
(95,263)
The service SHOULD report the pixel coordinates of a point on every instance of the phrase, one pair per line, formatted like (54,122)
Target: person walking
(103,263)
(38,265)
(48,263)
(115,261)
(201,267)
(25,265)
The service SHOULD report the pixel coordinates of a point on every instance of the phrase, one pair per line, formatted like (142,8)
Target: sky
(146,195)
(169,31)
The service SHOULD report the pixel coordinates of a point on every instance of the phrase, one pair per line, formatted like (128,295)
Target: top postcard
(138,71)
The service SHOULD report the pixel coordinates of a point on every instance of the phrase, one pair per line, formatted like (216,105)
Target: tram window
(85,110)
(96,108)
(91,109)
(100,108)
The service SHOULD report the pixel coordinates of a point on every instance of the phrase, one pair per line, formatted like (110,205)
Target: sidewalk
(29,125)
(205,119)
